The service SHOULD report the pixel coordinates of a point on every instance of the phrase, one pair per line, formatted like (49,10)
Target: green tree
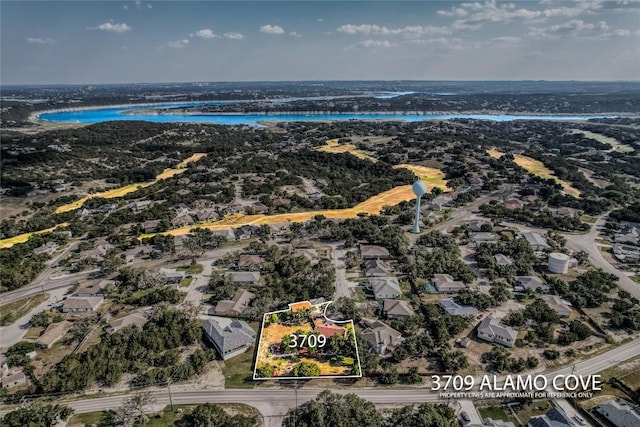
(306,369)
(333,409)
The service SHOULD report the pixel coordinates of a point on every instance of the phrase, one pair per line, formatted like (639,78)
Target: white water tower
(419,189)
(558,263)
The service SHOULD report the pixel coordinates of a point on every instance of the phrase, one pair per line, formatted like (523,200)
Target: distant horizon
(123,42)
(307,80)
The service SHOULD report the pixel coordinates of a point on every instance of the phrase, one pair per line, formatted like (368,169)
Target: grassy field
(12,311)
(431,176)
(21,238)
(333,146)
(496,412)
(165,418)
(238,371)
(191,269)
(538,168)
(130,188)
(615,145)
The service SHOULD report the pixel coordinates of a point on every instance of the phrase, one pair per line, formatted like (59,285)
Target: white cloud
(38,40)
(233,36)
(271,29)
(413,31)
(442,43)
(505,40)
(111,27)
(471,16)
(149,6)
(295,34)
(206,33)
(320,20)
(179,44)
(375,43)
(575,28)
(125,7)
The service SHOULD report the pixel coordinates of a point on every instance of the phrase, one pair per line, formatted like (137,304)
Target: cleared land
(615,145)
(333,146)
(373,206)
(130,188)
(21,238)
(272,335)
(12,311)
(431,176)
(538,168)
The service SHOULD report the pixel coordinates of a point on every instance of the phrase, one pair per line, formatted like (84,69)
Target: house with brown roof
(250,262)
(182,221)
(150,226)
(329,329)
(137,318)
(397,309)
(513,204)
(81,305)
(373,252)
(94,290)
(557,304)
(100,249)
(236,306)
(259,208)
(297,307)
(444,284)
(53,333)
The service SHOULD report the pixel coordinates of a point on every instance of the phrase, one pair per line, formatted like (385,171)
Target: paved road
(343,285)
(11,334)
(464,213)
(586,242)
(468,407)
(47,287)
(274,403)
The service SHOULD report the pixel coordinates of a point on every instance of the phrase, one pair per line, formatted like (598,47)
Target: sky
(91,42)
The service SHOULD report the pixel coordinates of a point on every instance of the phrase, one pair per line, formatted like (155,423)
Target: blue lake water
(103,114)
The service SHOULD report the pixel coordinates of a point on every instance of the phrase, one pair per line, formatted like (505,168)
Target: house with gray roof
(449,306)
(483,237)
(502,259)
(81,305)
(554,417)
(522,283)
(247,278)
(620,413)
(397,309)
(375,268)
(444,284)
(385,287)
(628,235)
(492,330)
(230,337)
(382,338)
(490,422)
(537,242)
